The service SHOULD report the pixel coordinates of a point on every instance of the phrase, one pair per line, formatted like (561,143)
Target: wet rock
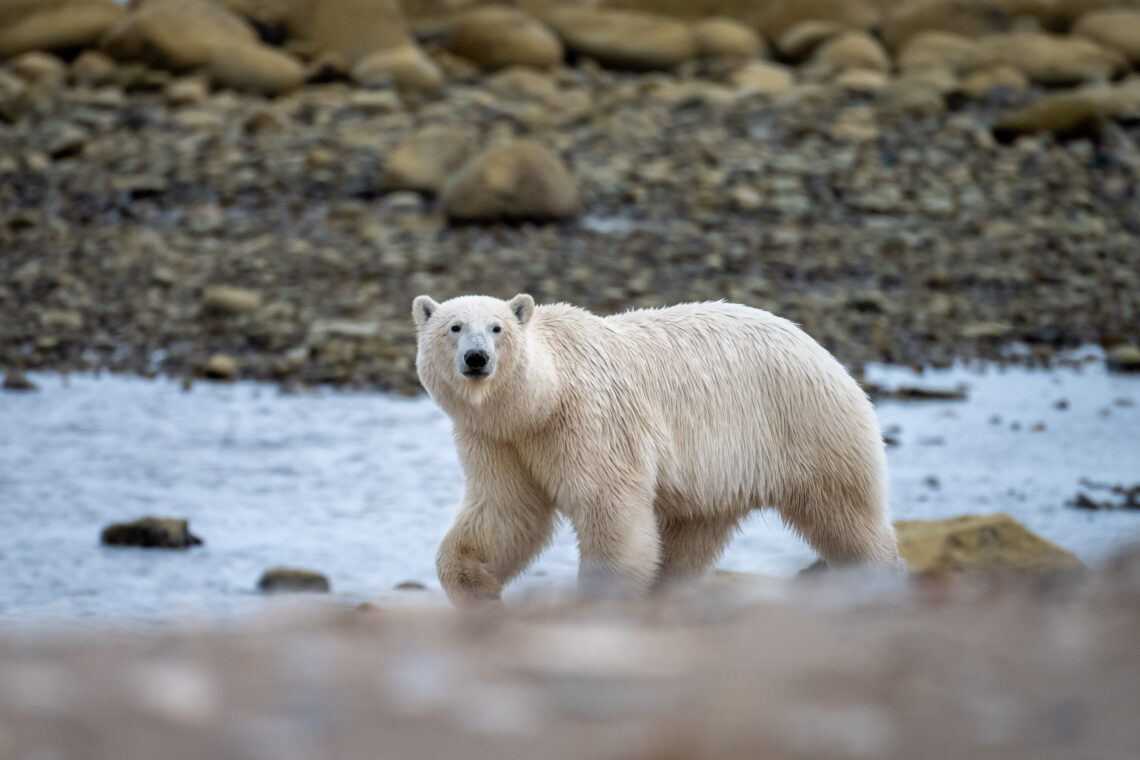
(1119,496)
(220,367)
(151,533)
(406,68)
(763,77)
(785,15)
(495,37)
(1064,115)
(1115,28)
(519,180)
(410,586)
(256,69)
(801,40)
(1123,359)
(916,393)
(851,50)
(177,34)
(15,380)
(962,17)
(225,301)
(624,39)
(726,38)
(55,25)
(939,50)
(1051,60)
(425,160)
(979,543)
(991,78)
(290,579)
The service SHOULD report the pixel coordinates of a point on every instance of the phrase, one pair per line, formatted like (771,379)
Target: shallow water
(361,486)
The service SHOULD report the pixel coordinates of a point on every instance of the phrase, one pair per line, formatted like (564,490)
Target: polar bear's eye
(497,329)
(456,328)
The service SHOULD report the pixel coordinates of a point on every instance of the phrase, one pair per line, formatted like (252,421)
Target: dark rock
(410,586)
(292,579)
(15,380)
(151,533)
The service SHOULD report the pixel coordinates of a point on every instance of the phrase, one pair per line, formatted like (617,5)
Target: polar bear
(655,432)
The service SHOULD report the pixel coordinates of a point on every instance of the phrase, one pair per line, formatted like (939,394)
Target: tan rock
(220,367)
(726,38)
(519,180)
(224,300)
(1064,14)
(992,77)
(187,91)
(16,97)
(1049,59)
(521,83)
(763,77)
(425,160)
(93,69)
(800,41)
(42,70)
(408,68)
(966,18)
(979,543)
(1124,359)
(938,50)
(1115,28)
(176,34)
(916,96)
(855,124)
(1064,115)
(863,81)
(624,39)
(783,15)
(55,25)
(851,50)
(495,37)
(257,69)
(354,28)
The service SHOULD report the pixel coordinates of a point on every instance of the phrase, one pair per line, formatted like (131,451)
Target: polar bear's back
(739,406)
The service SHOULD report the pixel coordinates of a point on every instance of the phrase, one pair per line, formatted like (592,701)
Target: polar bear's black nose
(475,359)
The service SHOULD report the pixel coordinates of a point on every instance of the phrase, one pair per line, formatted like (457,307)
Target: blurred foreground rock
(151,533)
(15,380)
(829,670)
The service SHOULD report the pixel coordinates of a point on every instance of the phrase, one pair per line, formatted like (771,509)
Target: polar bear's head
(464,343)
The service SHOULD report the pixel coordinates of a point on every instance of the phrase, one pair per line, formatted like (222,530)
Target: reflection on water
(361,486)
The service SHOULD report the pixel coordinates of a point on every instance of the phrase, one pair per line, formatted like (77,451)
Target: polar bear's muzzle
(476,363)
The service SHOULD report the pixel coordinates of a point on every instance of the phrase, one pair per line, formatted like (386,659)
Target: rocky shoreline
(892,225)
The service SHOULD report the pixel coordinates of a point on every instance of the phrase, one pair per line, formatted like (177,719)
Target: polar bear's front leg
(618,541)
(503,523)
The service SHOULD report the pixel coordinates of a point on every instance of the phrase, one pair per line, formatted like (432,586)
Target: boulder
(523,83)
(1115,28)
(225,301)
(256,69)
(1124,359)
(55,25)
(763,77)
(1051,60)
(851,50)
(292,579)
(495,37)
(804,38)
(1063,15)
(993,77)
(967,18)
(784,15)
(15,380)
(151,533)
(520,180)
(624,39)
(726,38)
(862,81)
(979,543)
(425,160)
(407,68)
(177,34)
(938,50)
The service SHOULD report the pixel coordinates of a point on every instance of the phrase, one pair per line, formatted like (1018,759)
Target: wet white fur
(655,432)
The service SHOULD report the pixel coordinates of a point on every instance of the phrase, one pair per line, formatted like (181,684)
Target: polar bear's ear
(523,306)
(422,309)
